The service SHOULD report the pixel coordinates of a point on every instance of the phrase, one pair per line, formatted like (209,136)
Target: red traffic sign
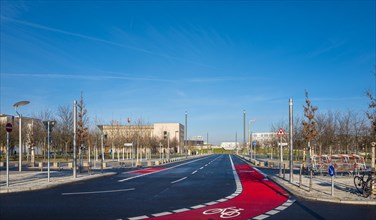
(281,132)
(9,127)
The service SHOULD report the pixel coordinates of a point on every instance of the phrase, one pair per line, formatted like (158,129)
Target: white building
(230,145)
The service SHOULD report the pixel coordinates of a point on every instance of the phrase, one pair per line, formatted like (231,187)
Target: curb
(55,182)
(297,193)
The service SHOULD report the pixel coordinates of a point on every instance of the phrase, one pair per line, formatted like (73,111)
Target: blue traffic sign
(254,143)
(331,170)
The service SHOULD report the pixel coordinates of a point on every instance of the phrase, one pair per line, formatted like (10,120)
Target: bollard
(300,175)
(284,171)
(310,180)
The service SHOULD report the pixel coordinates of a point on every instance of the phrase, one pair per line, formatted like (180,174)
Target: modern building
(230,145)
(173,131)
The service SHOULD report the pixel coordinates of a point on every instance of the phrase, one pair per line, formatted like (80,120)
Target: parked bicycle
(363,183)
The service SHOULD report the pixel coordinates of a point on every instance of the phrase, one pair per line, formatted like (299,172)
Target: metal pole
(48,151)
(20,143)
(332,185)
(7,159)
(291,140)
(74,139)
(186,130)
(280,156)
(244,144)
(168,145)
(102,149)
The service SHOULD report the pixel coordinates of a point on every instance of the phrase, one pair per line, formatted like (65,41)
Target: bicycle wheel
(212,211)
(368,187)
(358,182)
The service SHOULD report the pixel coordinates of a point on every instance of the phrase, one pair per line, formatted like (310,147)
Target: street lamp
(49,125)
(16,105)
(102,143)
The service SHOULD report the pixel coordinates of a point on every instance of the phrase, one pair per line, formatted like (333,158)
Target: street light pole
(186,131)
(74,139)
(244,144)
(16,105)
(291,139)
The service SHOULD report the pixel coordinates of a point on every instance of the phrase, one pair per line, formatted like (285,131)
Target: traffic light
(165,135)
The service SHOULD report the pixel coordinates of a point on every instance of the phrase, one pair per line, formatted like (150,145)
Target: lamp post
(186,132)
(244,143)
(16,105)
(49,125)
(102,143)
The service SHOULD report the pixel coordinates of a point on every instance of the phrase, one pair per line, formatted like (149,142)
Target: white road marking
(139,217)
(145,174)
(211,203)
(97,192)
(260,217)
(198,206)
(180,210)
(272,212)
(162,214)
(280,208)
(201,168)
(179,180)
(222,200)
(194,172)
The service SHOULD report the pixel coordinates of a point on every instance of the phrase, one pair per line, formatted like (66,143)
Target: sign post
(280,134)
(254,143)
(331,173)
(8,128)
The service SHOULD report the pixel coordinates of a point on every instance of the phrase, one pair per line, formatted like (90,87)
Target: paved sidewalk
(344,189)
(35,180)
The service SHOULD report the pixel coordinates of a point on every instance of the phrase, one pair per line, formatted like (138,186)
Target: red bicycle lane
(259,195)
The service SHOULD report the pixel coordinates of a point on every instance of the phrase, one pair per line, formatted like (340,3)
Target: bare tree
(309,126)
(65,126)
(82,123)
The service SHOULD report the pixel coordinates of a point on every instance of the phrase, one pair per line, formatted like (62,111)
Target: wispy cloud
(83,77)
(326,48)
(87,37)
(122,76)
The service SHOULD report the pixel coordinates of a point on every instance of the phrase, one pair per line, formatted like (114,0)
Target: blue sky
(157,59)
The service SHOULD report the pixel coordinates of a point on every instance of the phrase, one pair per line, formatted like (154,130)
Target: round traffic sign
(9,127)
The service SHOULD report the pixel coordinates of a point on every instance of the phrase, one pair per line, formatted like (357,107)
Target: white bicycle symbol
(229,212)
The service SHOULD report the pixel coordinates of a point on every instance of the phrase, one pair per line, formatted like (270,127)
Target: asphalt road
(211,187)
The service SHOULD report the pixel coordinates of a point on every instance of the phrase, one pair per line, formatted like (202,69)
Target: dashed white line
(280,208)
(162,214)
(180,210)
(179,180)
(145,174)
(260,217)
(211,203)
(272,212)
(194,172)
(96,192)
(139,217)
(198,206)
(201,168)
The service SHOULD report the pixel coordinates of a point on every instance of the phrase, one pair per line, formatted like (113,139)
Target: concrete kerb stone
(42,183)
(297,191)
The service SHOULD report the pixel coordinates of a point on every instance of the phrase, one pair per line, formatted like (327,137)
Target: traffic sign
(331,170)
(281,132)
(9,127)
(128,145)
(254,143)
